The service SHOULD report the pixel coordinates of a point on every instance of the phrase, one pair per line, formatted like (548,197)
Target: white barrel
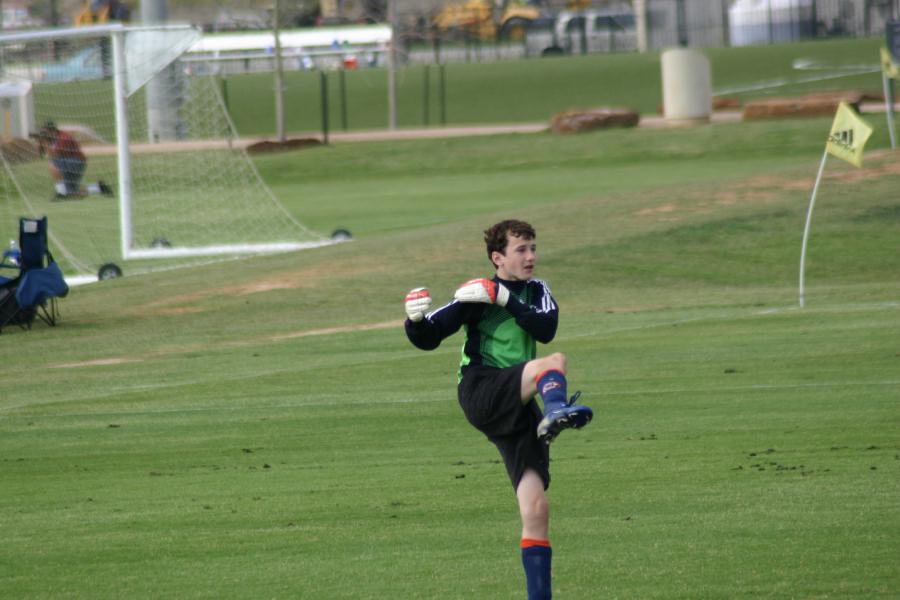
(687,87)
(16,110)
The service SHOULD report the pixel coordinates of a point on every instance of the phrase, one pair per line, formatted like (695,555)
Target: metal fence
(709,23)
(612,27)
(425,37)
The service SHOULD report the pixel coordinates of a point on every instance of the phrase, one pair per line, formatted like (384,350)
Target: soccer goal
(165,180)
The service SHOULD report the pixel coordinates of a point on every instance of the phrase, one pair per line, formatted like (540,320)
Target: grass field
(513,91)
(536,89)
(262,428)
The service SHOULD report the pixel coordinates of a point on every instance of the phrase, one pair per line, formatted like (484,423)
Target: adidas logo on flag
(849,134)
(843,138)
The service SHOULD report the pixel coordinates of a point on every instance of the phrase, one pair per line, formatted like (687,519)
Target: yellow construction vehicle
(489,20)
(95,12)
(478,19)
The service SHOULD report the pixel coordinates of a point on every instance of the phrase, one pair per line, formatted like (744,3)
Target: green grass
(512,173)
(528,90)
(535,89)
(263,428)
(380,189)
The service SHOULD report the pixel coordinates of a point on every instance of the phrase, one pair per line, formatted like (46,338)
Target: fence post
(583,34)
(769,20)
(426,100)
(443,94)
(726,25)
(437,49)
(681,23)
(323,89)
(223,89)
(814,17)
(343,93)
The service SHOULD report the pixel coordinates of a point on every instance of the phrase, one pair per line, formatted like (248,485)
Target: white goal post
(154,134)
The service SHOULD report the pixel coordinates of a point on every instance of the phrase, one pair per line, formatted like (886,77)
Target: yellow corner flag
(888,66)
(849,134)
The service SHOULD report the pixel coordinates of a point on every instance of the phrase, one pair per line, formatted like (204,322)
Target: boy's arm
(539,321)
(426,330)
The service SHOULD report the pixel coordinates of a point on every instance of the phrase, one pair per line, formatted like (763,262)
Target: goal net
(161,179)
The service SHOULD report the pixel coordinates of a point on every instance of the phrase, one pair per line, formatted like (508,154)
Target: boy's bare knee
(558,361)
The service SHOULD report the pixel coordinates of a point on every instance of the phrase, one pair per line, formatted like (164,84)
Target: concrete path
(654,121)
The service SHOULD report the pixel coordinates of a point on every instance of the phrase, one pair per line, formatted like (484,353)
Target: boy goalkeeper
(499,376)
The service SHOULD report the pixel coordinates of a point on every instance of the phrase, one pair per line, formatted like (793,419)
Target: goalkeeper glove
(418,301)
(482,290)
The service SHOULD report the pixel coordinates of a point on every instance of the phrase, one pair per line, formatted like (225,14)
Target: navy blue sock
(536,556)
(551,385)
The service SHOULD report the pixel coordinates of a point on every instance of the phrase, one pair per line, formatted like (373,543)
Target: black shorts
(491,399)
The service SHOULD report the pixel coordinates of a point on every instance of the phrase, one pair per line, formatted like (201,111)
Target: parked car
(583,32)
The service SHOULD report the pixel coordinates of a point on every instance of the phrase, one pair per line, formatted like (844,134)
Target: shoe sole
(548,430)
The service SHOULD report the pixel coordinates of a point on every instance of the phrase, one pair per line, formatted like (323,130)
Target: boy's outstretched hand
(482,290)
(418,301)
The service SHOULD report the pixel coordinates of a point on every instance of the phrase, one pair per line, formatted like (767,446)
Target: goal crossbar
(225,249)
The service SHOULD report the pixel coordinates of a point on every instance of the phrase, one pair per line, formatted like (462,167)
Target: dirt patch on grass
(729,197)
(274,283)
(767,188)
(768,182)
(100,362)
(671,212)
(119,360)
(877,165)
(669,207)
(333,330)
(306,278)
(178,310)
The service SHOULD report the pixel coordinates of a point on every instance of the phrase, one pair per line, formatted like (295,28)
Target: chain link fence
(430,32)
(440,31)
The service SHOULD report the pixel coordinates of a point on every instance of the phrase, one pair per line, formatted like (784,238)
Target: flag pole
(889,105)
(812,203)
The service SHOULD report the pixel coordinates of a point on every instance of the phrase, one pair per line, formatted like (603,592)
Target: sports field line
(754,388)
(118,360)
(736,314)
(740,313)
(434,397)
(776,83)
(439,396)
(452,349)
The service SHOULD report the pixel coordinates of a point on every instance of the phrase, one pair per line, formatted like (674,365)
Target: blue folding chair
(34,291)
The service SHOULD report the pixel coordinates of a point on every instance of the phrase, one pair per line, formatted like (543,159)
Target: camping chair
(34,291)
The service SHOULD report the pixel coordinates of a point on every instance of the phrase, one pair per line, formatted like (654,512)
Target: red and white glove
(418,301)
(482,290)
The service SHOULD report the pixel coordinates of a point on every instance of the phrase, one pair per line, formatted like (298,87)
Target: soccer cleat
(570,416)
(104,188)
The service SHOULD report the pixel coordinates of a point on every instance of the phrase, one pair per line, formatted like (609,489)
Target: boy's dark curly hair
(496,236)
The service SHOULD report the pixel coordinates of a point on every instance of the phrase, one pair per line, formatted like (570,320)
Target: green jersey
(496,336)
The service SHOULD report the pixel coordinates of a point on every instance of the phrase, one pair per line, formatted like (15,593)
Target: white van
(591,31)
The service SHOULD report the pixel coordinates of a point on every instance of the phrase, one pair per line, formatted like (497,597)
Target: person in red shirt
(67,163)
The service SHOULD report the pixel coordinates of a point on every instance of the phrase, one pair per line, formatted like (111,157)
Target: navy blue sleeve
(541,318)
(428,333)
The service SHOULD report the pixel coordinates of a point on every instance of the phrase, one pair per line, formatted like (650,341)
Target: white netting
(193,191)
